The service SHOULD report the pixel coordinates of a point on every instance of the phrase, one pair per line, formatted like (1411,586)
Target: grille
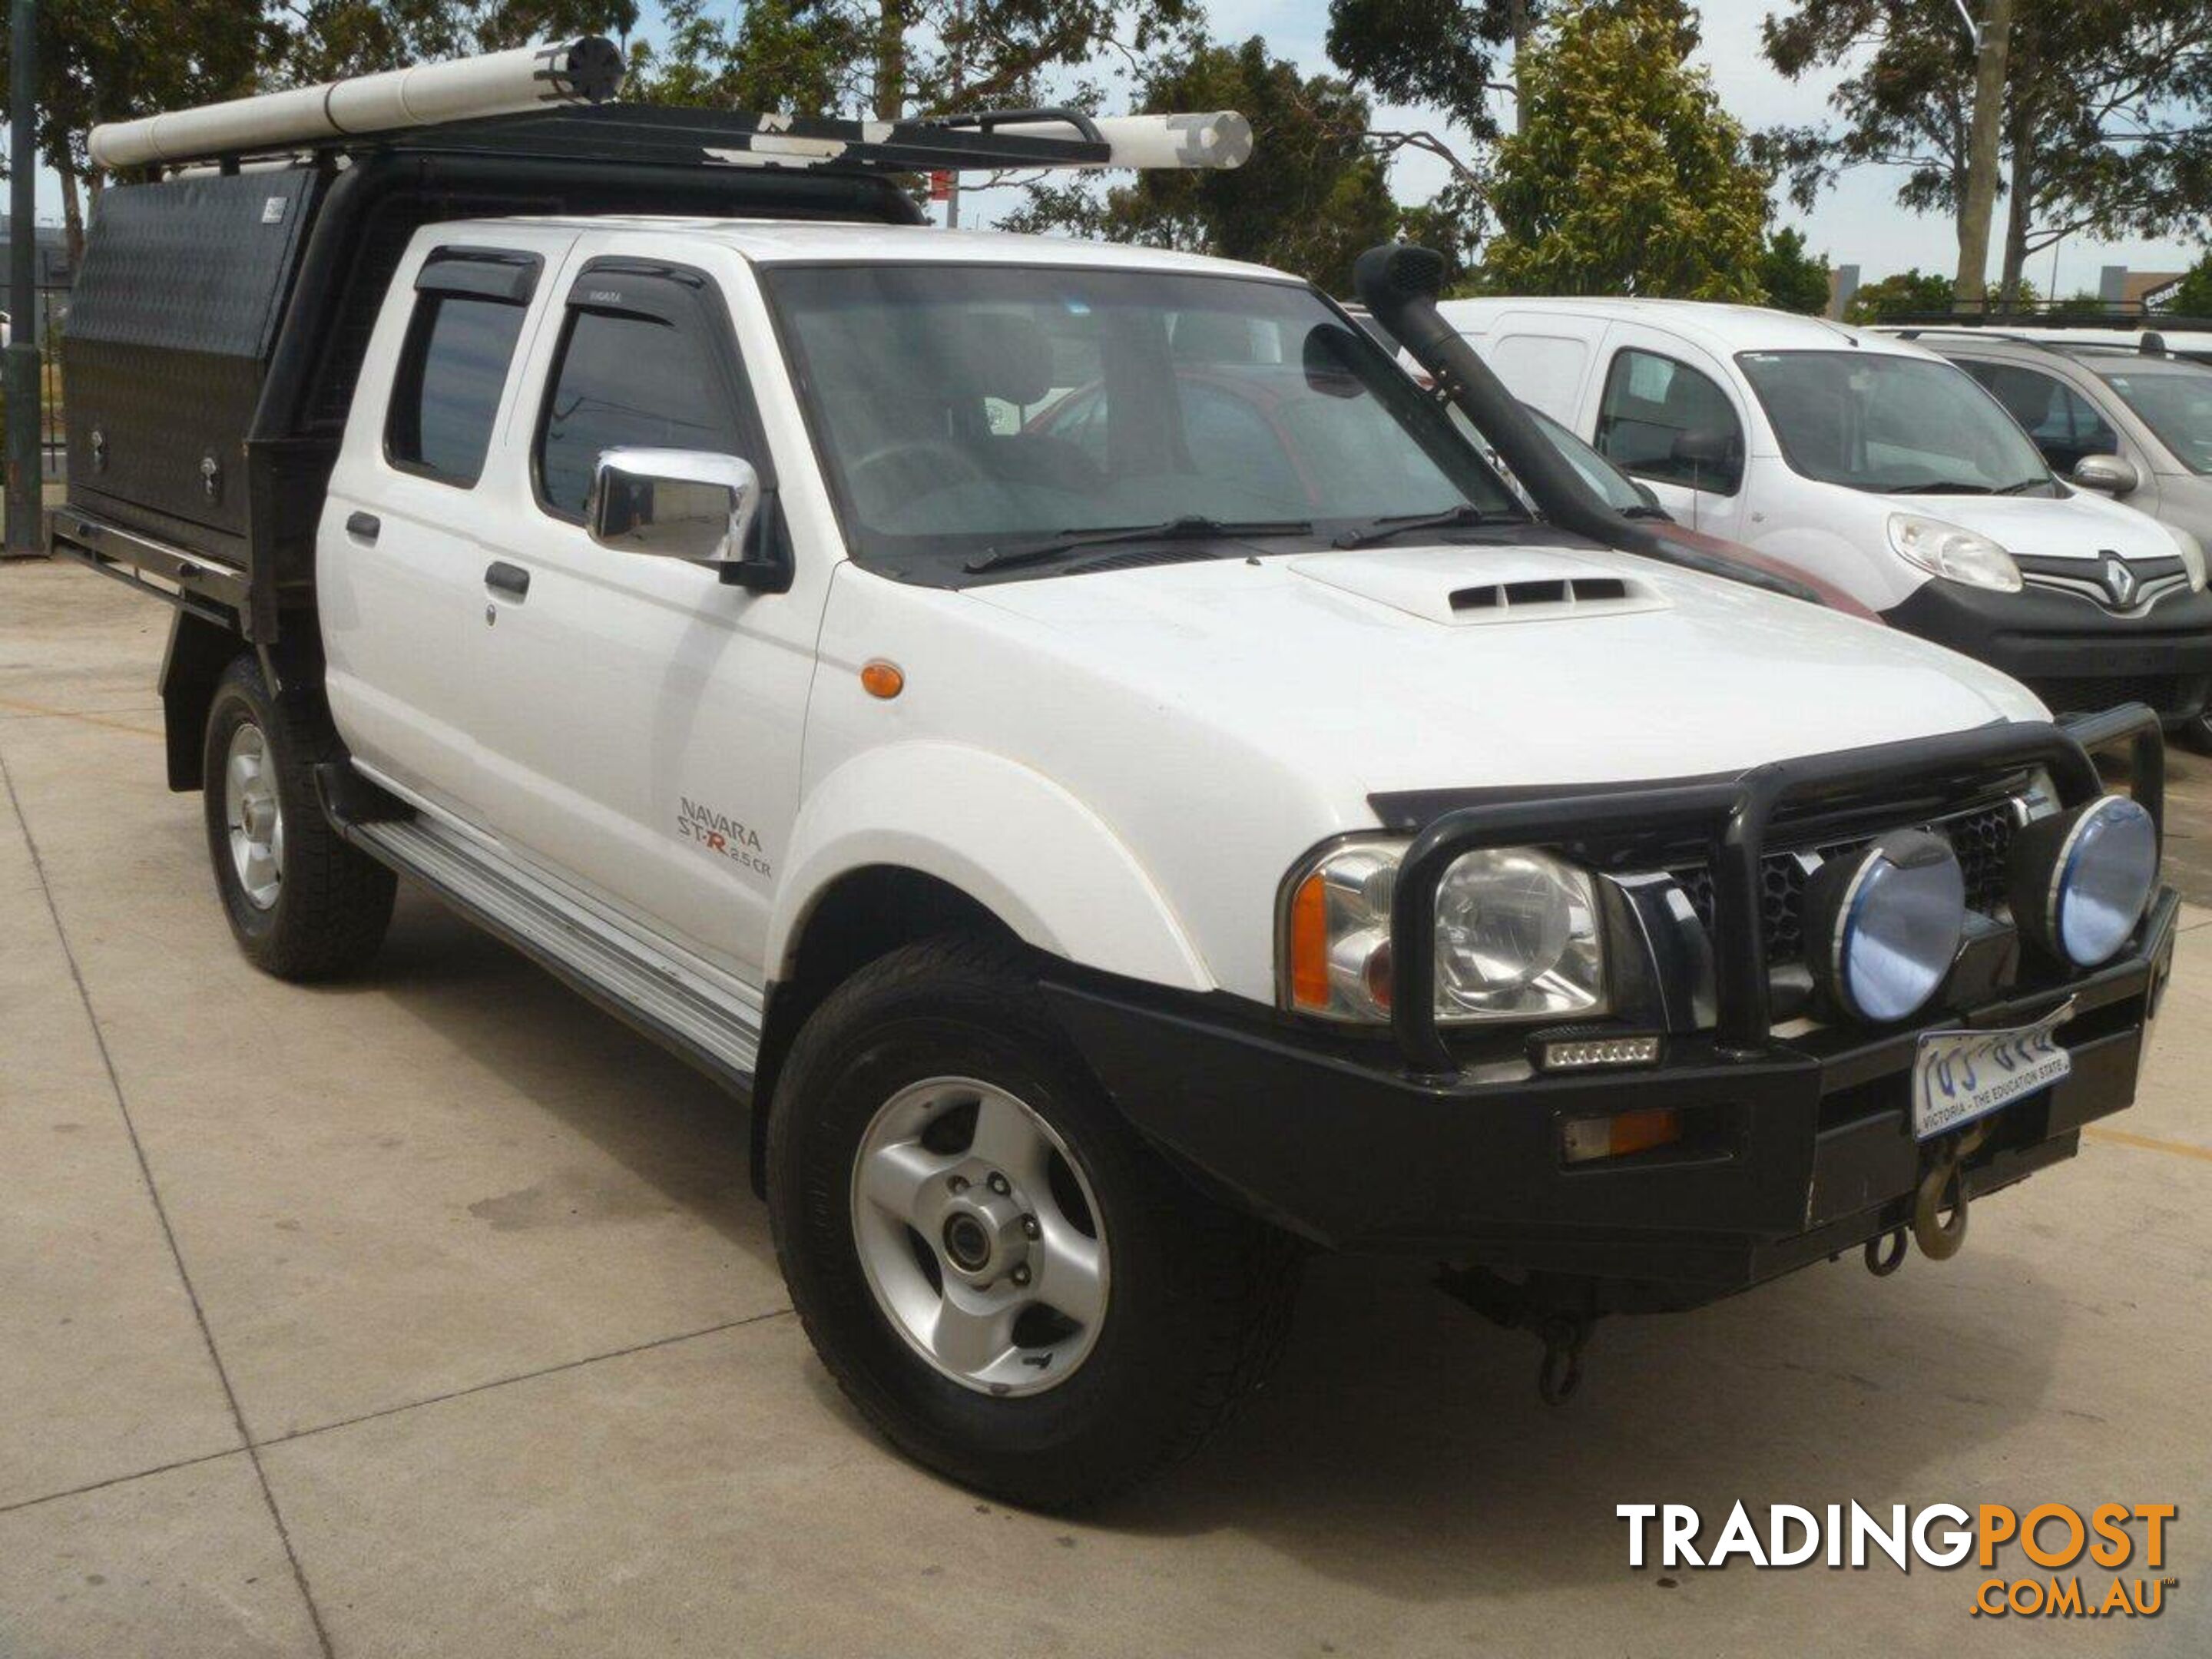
(1980,838)
(2169,694)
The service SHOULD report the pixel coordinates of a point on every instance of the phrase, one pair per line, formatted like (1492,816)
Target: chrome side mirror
(676,504)
(2108,475)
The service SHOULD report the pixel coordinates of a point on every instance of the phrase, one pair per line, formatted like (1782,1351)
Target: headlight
(2193,557)
(1881,929)
(2080,880)
(1517,937)
(1950,550)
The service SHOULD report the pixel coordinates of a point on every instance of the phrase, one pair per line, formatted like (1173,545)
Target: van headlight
(1953,551)
(1518,936)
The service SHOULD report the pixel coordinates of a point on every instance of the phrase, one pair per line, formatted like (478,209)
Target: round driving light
(2080,880)
(1881,926)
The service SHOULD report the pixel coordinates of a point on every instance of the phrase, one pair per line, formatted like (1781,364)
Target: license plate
(1959,1076)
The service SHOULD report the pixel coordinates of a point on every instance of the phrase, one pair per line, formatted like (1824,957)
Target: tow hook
(1942,1188)
(1885,1252)
(1558,1314)
(1938,1223)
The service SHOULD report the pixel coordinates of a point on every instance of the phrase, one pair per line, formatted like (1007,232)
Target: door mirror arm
(763,564)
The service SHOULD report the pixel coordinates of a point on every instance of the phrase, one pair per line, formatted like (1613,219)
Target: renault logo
(2119,581)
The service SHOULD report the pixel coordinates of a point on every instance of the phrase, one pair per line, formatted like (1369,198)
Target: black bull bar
(1733,816)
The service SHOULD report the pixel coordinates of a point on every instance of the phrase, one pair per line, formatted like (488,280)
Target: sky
(1857,223)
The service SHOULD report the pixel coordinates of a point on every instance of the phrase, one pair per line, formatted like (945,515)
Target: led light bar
(586,70)
(1586,1053)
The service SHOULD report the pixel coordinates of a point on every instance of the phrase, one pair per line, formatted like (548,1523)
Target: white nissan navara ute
(1080,741)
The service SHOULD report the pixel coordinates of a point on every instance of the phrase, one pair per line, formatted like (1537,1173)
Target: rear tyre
(1015,1289)
(303,903)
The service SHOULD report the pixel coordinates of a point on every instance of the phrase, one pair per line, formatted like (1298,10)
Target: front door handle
(363,527)
(511,580)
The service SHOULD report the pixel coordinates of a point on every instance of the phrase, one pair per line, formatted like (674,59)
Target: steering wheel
(928,464)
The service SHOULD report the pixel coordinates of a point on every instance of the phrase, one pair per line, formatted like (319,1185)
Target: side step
(717,1030)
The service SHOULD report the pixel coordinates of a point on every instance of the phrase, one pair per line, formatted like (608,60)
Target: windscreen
(961,409)
(2175,401)
(1618,491)
(1893,425)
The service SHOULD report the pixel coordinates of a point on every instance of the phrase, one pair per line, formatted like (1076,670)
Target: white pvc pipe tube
(584,70)
(1215,139)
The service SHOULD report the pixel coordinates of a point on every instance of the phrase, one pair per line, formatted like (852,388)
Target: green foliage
(2194,297)
(808,59)
(1793,279)
(2083,304)
(1627,177)
(313,40)
(101,61)
(1316,200)
(1435,54)
(2106,126)
(1917,292)
(1901,295)
(894,58)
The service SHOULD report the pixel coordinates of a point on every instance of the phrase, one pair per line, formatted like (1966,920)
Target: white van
(1880,467)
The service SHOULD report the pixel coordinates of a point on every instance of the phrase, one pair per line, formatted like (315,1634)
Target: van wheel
(2196,732)
(303,904)
(1003,1278)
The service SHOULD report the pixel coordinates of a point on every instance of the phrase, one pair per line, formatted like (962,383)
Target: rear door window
(452,371)
(1663,419)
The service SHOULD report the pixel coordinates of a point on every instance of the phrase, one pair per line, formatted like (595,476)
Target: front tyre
(1009,1284)
(303,903)
(2196,732)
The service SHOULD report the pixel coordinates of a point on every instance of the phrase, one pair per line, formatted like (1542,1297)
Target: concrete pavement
(431,1315)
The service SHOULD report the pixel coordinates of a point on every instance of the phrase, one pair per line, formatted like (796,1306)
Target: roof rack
(1918,331)
(554,103)
(665,136)
(2120,321)
(2150,343)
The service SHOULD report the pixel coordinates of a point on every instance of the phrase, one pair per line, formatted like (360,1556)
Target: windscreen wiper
(1940,487)
(1465,516)
(2023,486)
(1190,527)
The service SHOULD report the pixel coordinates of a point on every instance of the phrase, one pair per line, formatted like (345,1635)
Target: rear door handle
(511,580)
(363,527)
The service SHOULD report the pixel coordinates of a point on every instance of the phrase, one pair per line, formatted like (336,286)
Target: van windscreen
(1893,425)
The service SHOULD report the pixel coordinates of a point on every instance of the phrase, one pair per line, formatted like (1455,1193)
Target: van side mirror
(1709,453)
(1705,446)
(686,504)
(2108,475)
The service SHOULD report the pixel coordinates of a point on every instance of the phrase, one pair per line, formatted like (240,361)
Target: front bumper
(2077,656)
(1795,1145)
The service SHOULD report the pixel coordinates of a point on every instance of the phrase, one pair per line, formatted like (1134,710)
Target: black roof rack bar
(740,140)
(1999,320)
